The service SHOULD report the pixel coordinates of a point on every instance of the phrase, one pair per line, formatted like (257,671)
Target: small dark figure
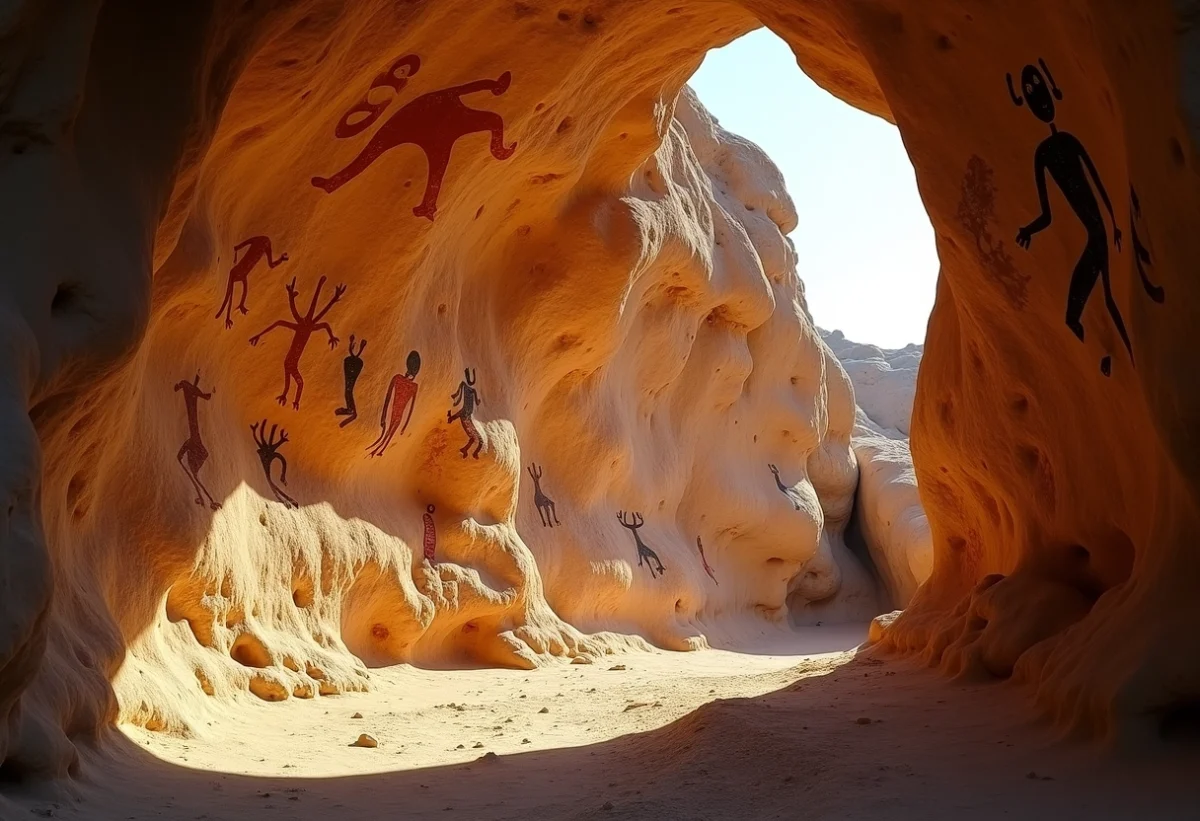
(543,503)
(644,552)
(268,447)
(260,247)
(193,448)
(429,537)
(352,366)
(704,562)
(784,489)
(401,392)
(468,397)
(1141,256)
(1064,156)
(301,329)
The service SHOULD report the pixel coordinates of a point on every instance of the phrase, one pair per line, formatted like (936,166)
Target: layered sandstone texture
(205,201)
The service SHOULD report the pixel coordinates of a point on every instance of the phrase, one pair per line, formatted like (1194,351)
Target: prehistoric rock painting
(363,114)
(704,561)
(302,328)
(633,524)
(976,213)
(352,366)
(401,392)
(433,122)
(543,503)
(429,537)
(1064,157)
(259,248)
(784,489)
(193,447)
(1141,256)
(468,397)
(268,452)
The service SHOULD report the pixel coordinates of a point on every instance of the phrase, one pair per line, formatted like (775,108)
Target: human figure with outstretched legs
(433,122)
(302,328)
(633,524)
(258,248)
(1067,161)
(401,393)
(784,489)
(704,561)
(268,447)
(193,448)
(469,398)
(352,366)
(543,503)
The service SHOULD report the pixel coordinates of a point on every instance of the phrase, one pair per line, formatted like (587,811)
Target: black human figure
(543,503)
(268,446)
(644,552)
(1064,156)
(784,489)
(352,365)
(469,398)
(1141,256)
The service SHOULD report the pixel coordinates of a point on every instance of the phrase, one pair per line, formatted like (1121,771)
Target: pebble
(365,740)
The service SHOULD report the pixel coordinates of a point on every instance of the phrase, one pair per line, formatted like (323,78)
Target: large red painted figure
(258,248)
(301,329)
(401,393)
(433,122)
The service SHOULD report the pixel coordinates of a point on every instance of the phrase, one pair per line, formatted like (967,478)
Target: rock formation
(204,201)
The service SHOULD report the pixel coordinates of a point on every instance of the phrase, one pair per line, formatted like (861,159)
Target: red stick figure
(302,329)
(433,122)
(259,247)
(469,397)
(704,561)
(400,393)
(193,448)
(429,538)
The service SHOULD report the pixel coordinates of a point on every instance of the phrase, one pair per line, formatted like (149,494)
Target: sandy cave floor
(713,734)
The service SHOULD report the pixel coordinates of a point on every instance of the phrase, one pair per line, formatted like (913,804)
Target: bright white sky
(865,245)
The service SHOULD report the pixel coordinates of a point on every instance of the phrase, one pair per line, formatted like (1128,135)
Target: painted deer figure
(633,523)
(543,503)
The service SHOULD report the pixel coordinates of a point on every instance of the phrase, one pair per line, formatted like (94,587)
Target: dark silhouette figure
(433,122)
(651,558)
(260,247)
(352,366)
(429,537)
(302,329)
(268,447)
(469,398)
(408,65)
(543,503)
(400,393)
(1141,256)
(1064,157)
(784,489)
(193,448)
(704,562)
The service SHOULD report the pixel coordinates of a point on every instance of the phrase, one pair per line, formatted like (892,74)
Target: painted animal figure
(1063,156)
(268,452)
(259,247)
(433,122)
(401,392)
(468,397)
(193,447)
(352,366)
(704,561)
(302,329)
(633,523)
(784,489)
(543,503)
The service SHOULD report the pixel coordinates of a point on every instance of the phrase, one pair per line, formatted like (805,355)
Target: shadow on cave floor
(931,749)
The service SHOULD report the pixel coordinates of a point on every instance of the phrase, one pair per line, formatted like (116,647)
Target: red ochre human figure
(302,329)
(259,247)
(400,393)
(193,448)
(704,562)
(429,537)
(268,447)
(469,398)
(544,504)
(433,122)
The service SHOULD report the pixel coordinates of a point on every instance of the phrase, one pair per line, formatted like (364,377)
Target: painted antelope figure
(633,524)
(543,503)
